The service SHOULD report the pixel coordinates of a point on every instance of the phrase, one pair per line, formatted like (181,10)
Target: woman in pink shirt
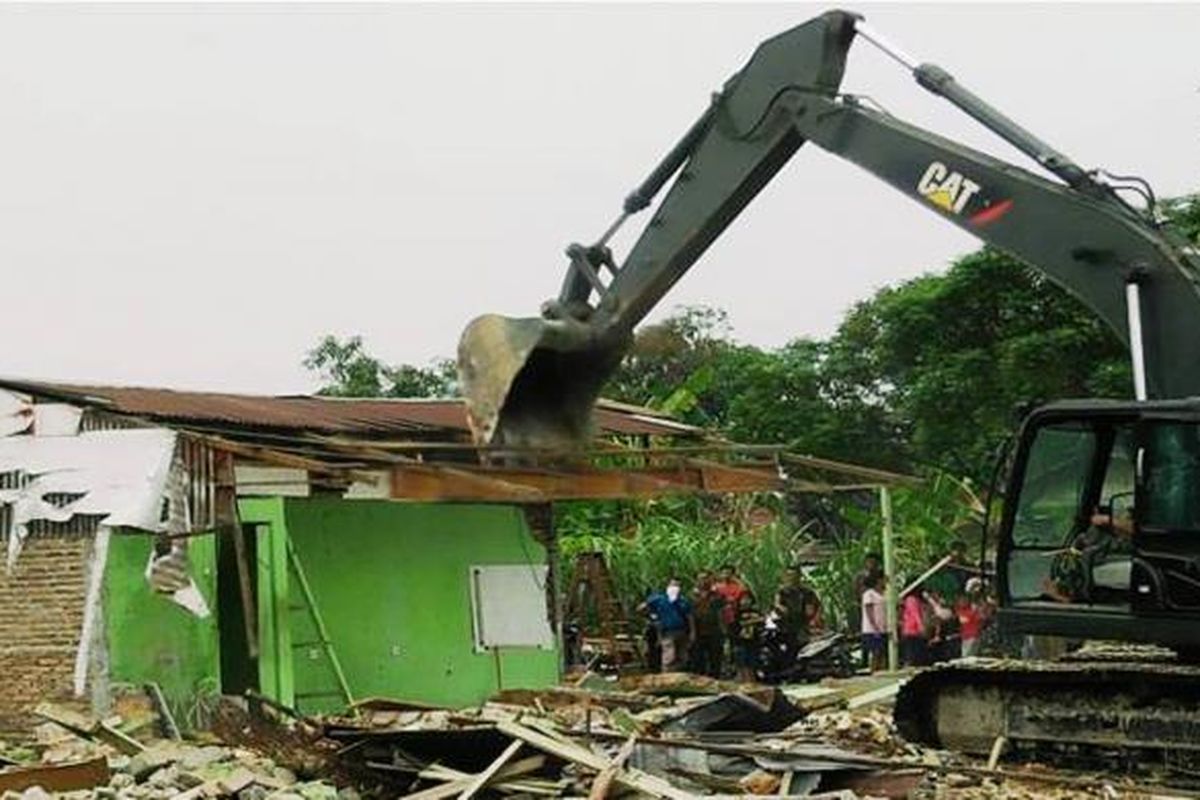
(914,649)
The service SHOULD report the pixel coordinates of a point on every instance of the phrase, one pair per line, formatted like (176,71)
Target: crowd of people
(940,618)
(717,627)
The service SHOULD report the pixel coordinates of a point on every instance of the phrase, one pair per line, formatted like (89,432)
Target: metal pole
(1133,305)
(876,38)
(889,572)
(935,79)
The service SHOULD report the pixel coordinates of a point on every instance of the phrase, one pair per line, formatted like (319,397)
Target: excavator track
(1086,713)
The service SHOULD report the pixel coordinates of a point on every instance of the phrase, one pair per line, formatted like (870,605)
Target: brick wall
(41,611)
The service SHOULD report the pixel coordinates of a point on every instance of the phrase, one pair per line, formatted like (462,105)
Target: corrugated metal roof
(393,417)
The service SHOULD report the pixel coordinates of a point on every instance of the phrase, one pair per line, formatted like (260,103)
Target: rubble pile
(676,737)
(164,770)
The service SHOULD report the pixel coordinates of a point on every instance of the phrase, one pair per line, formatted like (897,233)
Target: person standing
(874,623)
(744,640)
(944,642)
(914,647)
(736,595)
(708,647)
(676,625)
(798,608)
(872,569)
(733,591)
(973,612)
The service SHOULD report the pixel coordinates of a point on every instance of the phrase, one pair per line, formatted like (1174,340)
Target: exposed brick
(41,612)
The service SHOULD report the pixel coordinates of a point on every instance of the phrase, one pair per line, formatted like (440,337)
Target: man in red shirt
(734,594)
(973,611)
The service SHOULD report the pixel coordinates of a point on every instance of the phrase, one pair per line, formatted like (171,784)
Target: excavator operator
(1075,572)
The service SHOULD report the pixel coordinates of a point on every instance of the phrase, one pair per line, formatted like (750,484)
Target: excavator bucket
(531,382)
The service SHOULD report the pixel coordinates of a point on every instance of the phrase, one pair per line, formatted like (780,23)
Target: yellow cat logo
(945,188)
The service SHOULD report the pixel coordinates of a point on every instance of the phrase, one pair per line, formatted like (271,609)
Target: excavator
(1135,465)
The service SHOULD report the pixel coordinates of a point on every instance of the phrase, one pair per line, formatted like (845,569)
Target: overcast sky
(193,196)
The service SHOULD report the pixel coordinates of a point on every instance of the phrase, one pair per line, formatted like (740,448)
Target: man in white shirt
(874,622)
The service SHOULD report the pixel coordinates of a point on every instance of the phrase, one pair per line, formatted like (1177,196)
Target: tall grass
(645,544)
(663,547)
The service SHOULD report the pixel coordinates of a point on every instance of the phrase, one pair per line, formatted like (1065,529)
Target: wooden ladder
(323,640)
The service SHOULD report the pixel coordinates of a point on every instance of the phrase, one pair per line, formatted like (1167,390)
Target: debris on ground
(666,736)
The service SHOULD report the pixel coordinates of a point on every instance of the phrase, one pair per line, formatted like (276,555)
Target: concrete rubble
(674,737)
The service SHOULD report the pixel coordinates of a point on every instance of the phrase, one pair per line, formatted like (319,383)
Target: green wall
(390,581)
(149,637)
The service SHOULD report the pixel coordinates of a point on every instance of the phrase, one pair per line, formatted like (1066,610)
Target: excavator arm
(532,382)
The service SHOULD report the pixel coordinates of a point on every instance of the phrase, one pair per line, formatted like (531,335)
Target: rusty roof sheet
(350,416)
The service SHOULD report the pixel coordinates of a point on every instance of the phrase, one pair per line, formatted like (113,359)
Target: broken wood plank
(513,769)
(89,727)
(511,779)
(73,777)
(445,790)
(503,776)
(164,711)
(632,778)
(568,751)
(604,780)
(886,692)
(997,751)
(481,780)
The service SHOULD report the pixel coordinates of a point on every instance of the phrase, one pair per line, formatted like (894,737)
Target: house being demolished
(315,550)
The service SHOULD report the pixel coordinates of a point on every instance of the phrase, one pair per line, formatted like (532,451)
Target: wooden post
(246,589)
(889,571)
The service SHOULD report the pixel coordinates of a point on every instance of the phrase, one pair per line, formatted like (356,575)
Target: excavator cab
(1100,533)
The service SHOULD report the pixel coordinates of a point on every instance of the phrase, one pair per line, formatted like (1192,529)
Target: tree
(347,370)
(953,357)
(669,356)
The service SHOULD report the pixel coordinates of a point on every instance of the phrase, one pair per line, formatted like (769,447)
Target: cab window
(1056,475)
(1173,477)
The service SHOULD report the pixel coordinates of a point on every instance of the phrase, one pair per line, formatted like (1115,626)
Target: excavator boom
(532,382)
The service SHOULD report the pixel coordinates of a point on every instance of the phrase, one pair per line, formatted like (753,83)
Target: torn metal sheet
(168,572)
(16,413)
(661,760)
(56,419)
(737,712)
(810,760)
(118,475)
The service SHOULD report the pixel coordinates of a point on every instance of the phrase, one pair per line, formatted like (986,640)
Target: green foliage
(645,544)
(1183,214)
(347,370)
(951,357)
(926,519)
(669,364)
